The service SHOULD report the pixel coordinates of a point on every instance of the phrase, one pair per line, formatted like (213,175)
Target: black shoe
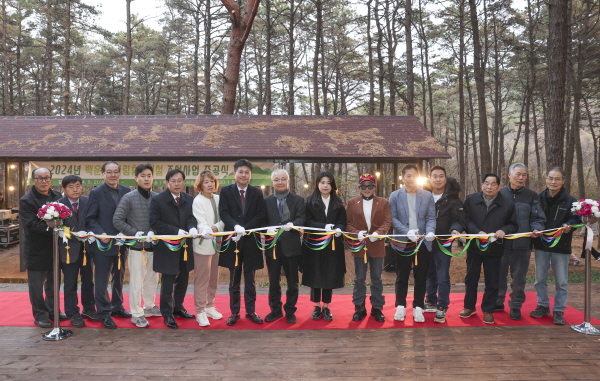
(170,322)
(290,318)
(359,315)
(254,317)
(233,319)
(273,315)
(499,308)
(61,316)
(183,314)
(327,316)
(515,314)
(377,314)
(122,313)
(77,321)
(109,323)
(91,314)
(559,318)
(43,323)
(316,315)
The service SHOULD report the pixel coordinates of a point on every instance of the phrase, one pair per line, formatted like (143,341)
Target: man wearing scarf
(287,210)
(368,215)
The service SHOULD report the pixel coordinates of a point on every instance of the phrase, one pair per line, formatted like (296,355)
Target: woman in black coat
(323,270)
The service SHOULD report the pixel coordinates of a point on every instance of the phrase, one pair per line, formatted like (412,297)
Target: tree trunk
(67,69)
(240,29)
(381,72)
(318,47)
(291,56)
(410,75)
(370,62)
(207,60)
(128,59)
(268,37)
(6,104)
(461,102)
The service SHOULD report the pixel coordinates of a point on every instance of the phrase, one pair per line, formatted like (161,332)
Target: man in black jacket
(556,204)
(38,247)
(450,220)
(171,214)
(111,262)
(78,261)
(488,213)
(287,209)
(242,207)
(517,252)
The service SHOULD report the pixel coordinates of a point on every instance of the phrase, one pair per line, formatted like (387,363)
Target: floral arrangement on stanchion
(54,211)
(588,208)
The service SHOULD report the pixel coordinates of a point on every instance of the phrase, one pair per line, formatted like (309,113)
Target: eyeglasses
(176,181)
(554,179)
(43,179)
(363,187)
(110,173)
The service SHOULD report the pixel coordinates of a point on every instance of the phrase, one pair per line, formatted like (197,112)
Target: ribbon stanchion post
(57,333)
(586,327)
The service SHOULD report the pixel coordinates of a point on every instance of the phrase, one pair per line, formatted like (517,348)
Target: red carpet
(17,313)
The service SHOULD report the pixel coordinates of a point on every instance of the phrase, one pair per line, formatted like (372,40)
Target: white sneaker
(140,322)
(153,311)
(202,319)
(400,313)
(212,313)
(418,315)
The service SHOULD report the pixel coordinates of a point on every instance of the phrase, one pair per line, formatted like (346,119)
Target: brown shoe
(467,313)
(488,318)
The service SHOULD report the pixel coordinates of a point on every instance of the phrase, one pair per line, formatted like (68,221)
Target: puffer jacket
(530,215)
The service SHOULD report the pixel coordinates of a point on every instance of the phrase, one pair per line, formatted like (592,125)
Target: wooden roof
(218,137)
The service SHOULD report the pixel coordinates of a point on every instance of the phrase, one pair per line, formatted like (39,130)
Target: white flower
(595,209)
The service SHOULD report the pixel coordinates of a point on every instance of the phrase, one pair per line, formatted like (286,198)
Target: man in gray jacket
(132,219)
(517,252)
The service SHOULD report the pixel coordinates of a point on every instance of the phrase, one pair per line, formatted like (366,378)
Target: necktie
(76,207)
(280,208)
(177,200)
(243,198)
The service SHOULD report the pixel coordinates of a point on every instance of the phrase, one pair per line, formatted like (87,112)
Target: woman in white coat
(206,258)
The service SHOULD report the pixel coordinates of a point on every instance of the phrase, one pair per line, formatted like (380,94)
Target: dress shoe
(233,319)
(109,323)
(77,321)
(377,314)
(254,317)
(316,314)
(121,313)
(91,315)
(290,318)
(61,316)
(43,323)
(515,314)
(359,315)
(273,315)
(327,316)
(183,314)
(170,322)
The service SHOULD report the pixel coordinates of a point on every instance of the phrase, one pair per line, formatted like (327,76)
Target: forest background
(495,82)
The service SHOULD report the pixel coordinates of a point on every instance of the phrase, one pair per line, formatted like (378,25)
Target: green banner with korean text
(91,174)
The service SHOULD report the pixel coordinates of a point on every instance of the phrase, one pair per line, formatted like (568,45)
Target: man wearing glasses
(111,260)
(517,252)
(38,247)
(368,215)
(287,209)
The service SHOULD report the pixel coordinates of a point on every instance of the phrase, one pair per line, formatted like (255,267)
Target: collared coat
(381,221)
(166,218)
(76,223)
(252,216)
(424,206)
(291,242)
(99,217)
(38,236)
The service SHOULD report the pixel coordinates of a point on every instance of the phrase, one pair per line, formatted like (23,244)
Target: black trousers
(41,282)
(403,266)
(318,295)
(173,289)
(290,267)
(108,266)
(71,273)
(491,272)
(235,278)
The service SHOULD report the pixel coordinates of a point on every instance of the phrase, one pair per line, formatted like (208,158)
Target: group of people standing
(412,212)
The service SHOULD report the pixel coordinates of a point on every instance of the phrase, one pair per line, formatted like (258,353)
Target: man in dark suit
(38,243)
(99,219)
(242,207)
(171,214)
(287,209)
(75,263)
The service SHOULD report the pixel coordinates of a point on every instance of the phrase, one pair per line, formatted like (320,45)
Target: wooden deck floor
(482,353)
